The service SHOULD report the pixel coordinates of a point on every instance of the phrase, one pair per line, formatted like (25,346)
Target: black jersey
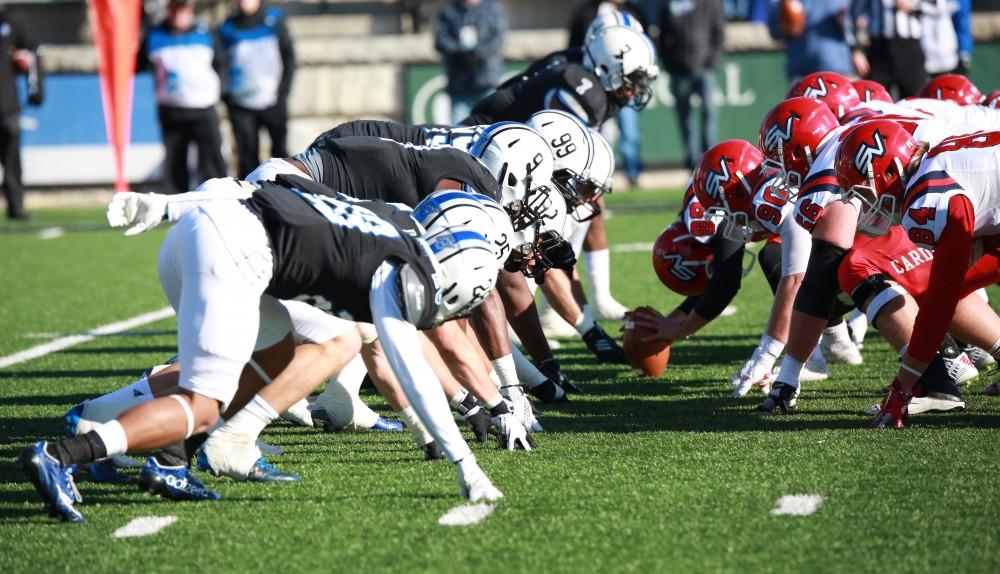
(554,58)
(327,246)
(575,87)
(374,168)
(394,131)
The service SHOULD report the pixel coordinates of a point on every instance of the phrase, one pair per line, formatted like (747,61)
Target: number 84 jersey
(967,165)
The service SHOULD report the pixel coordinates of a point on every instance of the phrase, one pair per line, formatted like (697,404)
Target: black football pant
(897,62)
(246,131)
(10,156)
(182,127)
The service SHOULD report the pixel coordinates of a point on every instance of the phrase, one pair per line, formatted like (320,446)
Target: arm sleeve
(935,315)
(287,49)
(225,189)
(402,349)
(727,275)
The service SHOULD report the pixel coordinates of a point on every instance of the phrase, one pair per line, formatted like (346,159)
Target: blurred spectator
(187,65)
(691,38)
(261,65)
(938,38)
(470,37)
(20,56)
(630,136)
(821,46)
(893,57)
(962,20)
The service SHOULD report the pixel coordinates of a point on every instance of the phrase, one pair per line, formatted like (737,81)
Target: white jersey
(820,186)
(699,224)
(460,137)
(982,116)
(770,211)
(966,165)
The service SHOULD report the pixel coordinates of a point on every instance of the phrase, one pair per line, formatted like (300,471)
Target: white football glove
(757,370)
(511,433)
(473,482)
(143,211)
(521,407)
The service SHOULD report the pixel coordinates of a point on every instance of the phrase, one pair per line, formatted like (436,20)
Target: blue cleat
(72,418)
(105,470)
(53,481)
(173,482)
(387,425)
(262,471)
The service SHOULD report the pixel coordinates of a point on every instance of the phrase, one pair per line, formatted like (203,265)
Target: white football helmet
(448,208)
(521,161)
(613,18)
(537,247)
(625,62)
(467,269)
(573,150)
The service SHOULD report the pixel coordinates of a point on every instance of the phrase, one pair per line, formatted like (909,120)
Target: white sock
(505,370)
(994,351)
(107,407)
(599,272)
(585,321)
(457,398)
(838,335)
(790,370)
(252,418)
(113,436)
(417,429)
(494,401)
(527,373)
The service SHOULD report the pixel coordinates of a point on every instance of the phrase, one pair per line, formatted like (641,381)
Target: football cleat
(603,346)
(782,396)
(549,392)
(299,414)
(105,470)
(173,482)
(53,481)
(857,326)
(432,451)
(550,368)
(264,471)
(521,407)
(72,418)
(608,309)
(960,369)
(473,482)
(386,425)
(815,367)
(838,347)
(893,410)
(979,357)
(511,434)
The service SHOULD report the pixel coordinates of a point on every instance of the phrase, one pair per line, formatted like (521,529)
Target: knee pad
(818,292)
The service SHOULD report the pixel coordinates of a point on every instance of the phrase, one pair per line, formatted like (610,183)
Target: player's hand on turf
(473,482)
(511,434)
(893,410)
(141,211)
(755,372)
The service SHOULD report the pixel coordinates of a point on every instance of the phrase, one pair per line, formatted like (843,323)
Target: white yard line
(797,504)
(144,526)
(51,233)
(466,515)
(632,247)
(71,340)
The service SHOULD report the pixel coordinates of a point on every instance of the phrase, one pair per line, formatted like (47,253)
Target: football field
(637,475)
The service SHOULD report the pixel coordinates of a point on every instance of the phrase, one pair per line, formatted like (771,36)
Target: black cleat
(549,392)
(783,396)
(550,368)
(432,451)
(603,346)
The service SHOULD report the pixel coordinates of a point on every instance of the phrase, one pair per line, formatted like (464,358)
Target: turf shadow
(166,350)
(70,374)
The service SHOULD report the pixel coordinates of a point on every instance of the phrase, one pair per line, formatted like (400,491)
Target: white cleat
(838,347)
(857,326)
(607,309)
(960,369)
(299,414)
(814,369)
(473,482)
(555,327)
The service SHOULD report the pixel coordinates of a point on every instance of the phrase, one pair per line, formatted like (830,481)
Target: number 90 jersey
(327,246)
(966,165)
(768,212)
(699,224)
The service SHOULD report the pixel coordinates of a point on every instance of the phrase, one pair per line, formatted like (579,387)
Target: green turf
(637,475)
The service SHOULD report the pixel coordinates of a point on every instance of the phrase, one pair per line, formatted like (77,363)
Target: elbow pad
(820,285)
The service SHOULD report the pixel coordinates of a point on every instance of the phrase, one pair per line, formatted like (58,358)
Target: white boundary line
(632,247)
(67,342)
(466,515)
(144,526)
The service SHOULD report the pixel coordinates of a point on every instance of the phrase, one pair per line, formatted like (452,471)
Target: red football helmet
(789,137)
(830,88)
(681,261)
(871,91)
(993,100)
(723,182)
(953,88)
(871,167)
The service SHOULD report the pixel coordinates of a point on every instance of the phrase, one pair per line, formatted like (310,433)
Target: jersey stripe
(825,180)
(930,182)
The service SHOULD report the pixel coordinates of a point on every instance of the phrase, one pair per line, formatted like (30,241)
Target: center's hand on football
(141,211)
(662,328)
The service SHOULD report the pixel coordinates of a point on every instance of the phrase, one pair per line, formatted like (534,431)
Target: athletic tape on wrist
(187,412)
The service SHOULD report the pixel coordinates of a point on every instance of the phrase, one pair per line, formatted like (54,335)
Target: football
(651,357)
(791,18)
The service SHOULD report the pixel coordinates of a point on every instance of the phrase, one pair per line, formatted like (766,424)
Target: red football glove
(893,411)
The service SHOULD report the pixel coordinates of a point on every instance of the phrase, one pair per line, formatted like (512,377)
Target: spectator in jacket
(691,37)
(821,46)
(20,56)
(469,37)
(188,65)
(261,62)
